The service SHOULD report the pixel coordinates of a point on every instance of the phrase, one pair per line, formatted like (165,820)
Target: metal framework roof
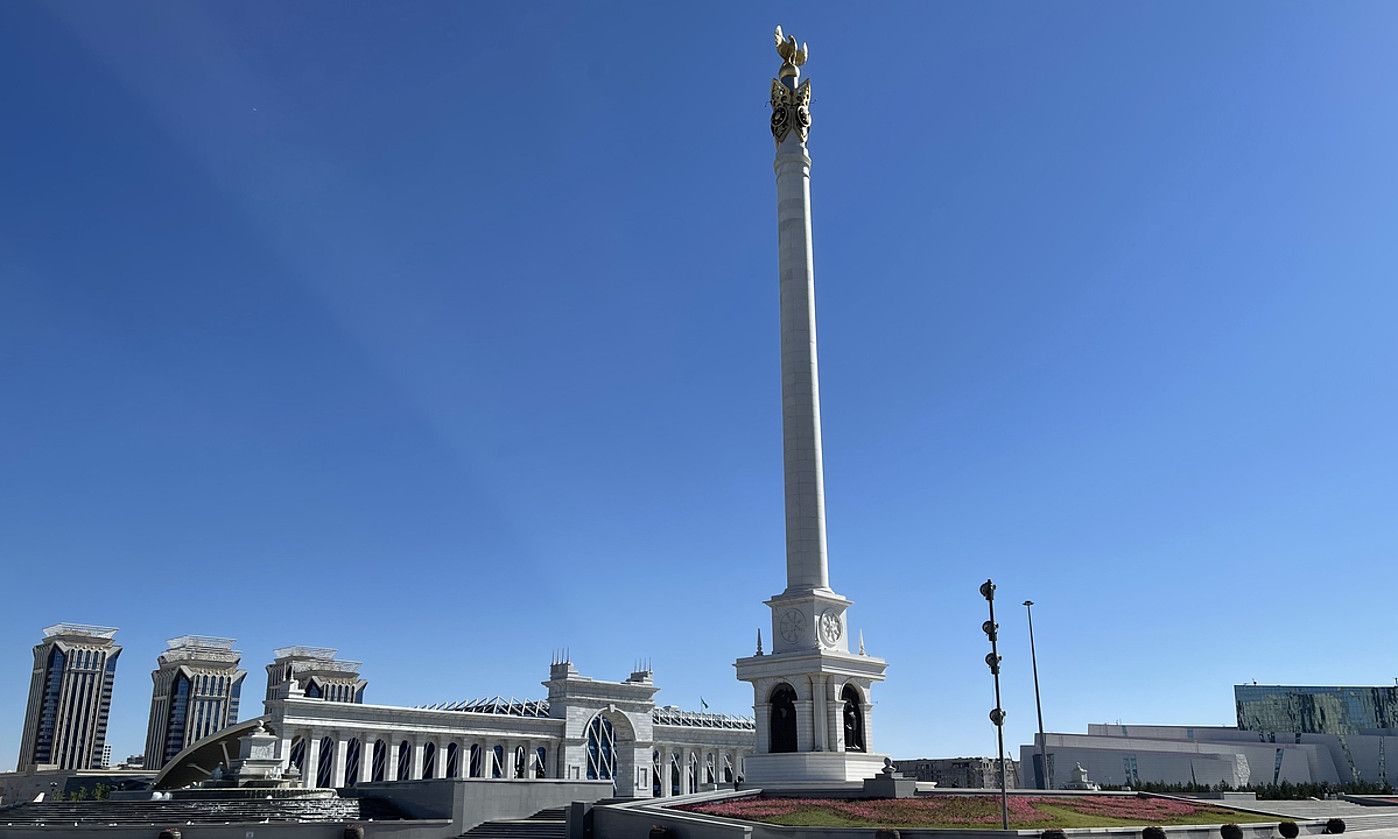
(496,705)
(205,641)
(671,715)
(104,632)
(540,708)
(325,653)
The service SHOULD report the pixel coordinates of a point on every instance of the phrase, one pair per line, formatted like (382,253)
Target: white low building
(586,729)
(1129,755)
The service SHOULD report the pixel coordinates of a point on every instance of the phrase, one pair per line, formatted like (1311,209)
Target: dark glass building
(70,697)
(1306,709)
(197,688)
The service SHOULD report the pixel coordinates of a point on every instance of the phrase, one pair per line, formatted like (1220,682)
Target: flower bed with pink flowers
(945,810)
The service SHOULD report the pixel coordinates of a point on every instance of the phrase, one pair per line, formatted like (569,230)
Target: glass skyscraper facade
(197,688)
(1308,709)
(70,697)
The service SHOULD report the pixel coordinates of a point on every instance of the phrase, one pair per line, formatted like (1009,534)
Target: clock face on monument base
(809,622)
(831,630)
(791,625)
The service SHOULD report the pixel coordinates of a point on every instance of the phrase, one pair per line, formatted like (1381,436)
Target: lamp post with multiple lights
(997,715)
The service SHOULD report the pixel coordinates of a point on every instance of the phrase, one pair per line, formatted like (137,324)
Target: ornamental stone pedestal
(811,694)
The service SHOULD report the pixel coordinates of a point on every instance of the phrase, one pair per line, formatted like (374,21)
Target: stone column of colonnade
(509,768)
(312,769)
(668,755)
(337,773)
(416,744)
(366,757)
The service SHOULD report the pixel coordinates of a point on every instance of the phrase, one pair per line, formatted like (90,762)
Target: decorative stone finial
(791,104)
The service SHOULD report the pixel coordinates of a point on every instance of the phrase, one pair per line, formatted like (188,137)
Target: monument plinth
(811,694)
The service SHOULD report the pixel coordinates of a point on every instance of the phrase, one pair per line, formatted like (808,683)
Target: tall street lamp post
(997,715)
(1042,774)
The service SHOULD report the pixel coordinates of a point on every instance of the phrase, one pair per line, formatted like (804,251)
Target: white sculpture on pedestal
(811,694)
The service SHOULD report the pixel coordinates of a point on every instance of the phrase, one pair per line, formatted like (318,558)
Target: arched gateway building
(587,729)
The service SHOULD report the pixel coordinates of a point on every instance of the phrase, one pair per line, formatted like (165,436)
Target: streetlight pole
(1043,777)
(997,715)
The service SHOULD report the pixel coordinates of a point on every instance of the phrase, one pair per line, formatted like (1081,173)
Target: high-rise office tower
(197,688)
(70,696)
(317,675)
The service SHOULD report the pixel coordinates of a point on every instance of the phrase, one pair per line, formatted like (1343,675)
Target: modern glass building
(70,697)
(1305,709)
(196,693)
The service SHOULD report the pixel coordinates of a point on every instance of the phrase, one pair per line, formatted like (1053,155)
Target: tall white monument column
(802,739)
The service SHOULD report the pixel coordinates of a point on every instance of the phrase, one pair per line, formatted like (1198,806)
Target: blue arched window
(380,760)
(298,755)
(429,760)
(325,772)
(352,757)
(601,749)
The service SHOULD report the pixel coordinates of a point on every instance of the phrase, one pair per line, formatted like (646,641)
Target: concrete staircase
(198,811)
(545,824)
(1356,816)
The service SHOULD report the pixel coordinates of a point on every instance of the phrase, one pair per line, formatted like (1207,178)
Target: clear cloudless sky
(446,334)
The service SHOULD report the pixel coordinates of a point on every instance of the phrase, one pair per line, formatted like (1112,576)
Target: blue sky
(445,334)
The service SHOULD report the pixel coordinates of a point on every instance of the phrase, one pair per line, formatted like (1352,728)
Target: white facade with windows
(587,729)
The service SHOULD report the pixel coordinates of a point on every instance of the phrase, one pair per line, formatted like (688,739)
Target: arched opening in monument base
(405,760)
(853,716)
(782,719)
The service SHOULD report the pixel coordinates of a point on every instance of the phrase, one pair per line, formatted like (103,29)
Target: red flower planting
(956,809)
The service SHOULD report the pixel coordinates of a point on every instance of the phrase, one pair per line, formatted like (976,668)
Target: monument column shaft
(806,564)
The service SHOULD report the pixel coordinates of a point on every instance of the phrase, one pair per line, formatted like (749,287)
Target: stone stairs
(197,811)
(1356,816)
(545,824)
